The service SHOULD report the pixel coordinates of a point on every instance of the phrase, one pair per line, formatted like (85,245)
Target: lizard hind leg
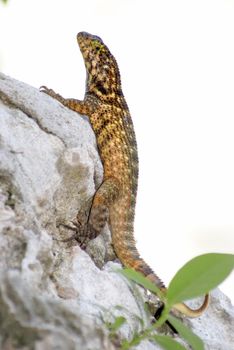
(99,212)
(91,228)
(98,217)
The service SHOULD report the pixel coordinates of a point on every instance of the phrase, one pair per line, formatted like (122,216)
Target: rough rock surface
(54,295)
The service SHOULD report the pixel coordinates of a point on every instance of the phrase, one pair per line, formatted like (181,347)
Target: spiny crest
(103,78)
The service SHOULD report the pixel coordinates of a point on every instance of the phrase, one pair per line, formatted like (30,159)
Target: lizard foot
(80,234)
(47,91)
(88,225)
(82,228)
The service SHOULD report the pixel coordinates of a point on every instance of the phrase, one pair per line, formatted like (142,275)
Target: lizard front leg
(76,105)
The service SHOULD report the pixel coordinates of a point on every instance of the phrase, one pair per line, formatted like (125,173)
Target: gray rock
(53,295)
(216,326)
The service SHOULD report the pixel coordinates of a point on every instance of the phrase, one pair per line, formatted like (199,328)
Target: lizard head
(103,78)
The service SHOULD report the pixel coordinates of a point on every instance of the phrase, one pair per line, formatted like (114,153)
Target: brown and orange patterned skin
(115,199)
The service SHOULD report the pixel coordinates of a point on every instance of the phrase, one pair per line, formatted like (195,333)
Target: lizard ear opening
(101,88)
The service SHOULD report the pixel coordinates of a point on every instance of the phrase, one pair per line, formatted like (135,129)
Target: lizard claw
(81,234)
(43,88)
(46,90)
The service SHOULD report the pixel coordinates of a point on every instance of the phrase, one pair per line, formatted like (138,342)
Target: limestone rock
(54,295)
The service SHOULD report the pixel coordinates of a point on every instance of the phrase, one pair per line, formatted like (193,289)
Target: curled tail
(187,311)
(131,259)
(141,266)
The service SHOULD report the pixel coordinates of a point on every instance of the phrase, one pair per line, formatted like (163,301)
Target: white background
(176,60)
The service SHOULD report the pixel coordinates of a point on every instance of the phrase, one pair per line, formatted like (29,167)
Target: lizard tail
(187,311)
(125,248)
(141,266)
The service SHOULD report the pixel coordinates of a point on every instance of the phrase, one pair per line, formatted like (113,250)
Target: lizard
(114,201)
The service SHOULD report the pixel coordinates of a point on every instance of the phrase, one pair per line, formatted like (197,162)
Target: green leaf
(186,333)
(125,345)
(129,344)
(199,276)
(119,321)
(168,343)
(140,279)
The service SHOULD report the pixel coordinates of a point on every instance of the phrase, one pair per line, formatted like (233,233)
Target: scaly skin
(115,199)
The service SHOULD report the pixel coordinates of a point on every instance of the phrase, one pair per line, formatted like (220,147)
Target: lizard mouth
(81,36)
